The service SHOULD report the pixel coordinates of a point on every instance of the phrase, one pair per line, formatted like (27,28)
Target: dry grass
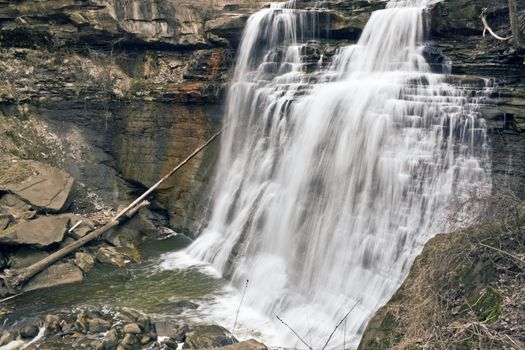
(465,291)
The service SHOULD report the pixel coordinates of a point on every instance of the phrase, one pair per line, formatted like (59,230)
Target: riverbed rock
(118,256)
(58,274)
(98,325)
(52,323)
(84,260)
(139,318)
(208,336)
(40,232)
(110,340)
(42,185)
(29,331)
(132,328)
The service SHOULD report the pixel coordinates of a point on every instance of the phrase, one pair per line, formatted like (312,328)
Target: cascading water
(329,183)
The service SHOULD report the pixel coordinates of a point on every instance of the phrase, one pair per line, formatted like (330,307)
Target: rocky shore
(122,329)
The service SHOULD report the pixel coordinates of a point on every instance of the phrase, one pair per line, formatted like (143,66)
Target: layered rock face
(457,37)
(123,89)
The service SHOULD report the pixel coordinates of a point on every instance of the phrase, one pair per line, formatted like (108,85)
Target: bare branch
(340,322)
(294,332)
(486,27)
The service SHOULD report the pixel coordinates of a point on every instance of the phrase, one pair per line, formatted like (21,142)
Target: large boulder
(203,337)
(40,232)
(43,186)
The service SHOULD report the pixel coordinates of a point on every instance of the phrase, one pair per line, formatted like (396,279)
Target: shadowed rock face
(457,34)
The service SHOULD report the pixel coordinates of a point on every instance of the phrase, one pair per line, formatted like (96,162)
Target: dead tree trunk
(517,35)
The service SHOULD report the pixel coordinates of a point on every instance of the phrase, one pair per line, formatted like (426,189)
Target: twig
(240,304)
(504,253)
(9,298)
(74,226)
(344,337)
(340,322)
(487,27)
(294,332)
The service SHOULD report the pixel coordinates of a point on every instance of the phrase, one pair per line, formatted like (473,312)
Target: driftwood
(15,279)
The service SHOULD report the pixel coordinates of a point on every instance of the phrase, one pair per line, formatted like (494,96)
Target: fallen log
(14,279)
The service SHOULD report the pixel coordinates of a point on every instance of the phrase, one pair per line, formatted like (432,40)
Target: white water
(329,184)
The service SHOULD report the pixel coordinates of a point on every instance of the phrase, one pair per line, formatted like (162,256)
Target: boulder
(202,337)
(118,256)
(98,325)
(52,323)
(85,261)
(132,328)
(55,275)
(43,186)
(110,340)
(40,232)
(140,319)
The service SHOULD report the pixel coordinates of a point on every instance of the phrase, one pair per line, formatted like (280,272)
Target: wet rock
(201,337)
(56,275)
(110,340)
(180,335)
(84,261)
(140,319)
(40,232)
(129,341)
(181,306)
(98,325)
(118,256)
(132,328)
(52,323)
(29,331)
(145,339)
(65,326)
(42,185)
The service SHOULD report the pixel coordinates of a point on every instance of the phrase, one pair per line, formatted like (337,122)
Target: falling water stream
(330,182)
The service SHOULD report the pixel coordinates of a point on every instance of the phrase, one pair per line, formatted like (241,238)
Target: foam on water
(329,184)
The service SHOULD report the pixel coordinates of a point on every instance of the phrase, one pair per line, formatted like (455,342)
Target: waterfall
(330,182)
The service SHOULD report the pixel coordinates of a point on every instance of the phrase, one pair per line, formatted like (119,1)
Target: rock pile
(33,199)
(123,329)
